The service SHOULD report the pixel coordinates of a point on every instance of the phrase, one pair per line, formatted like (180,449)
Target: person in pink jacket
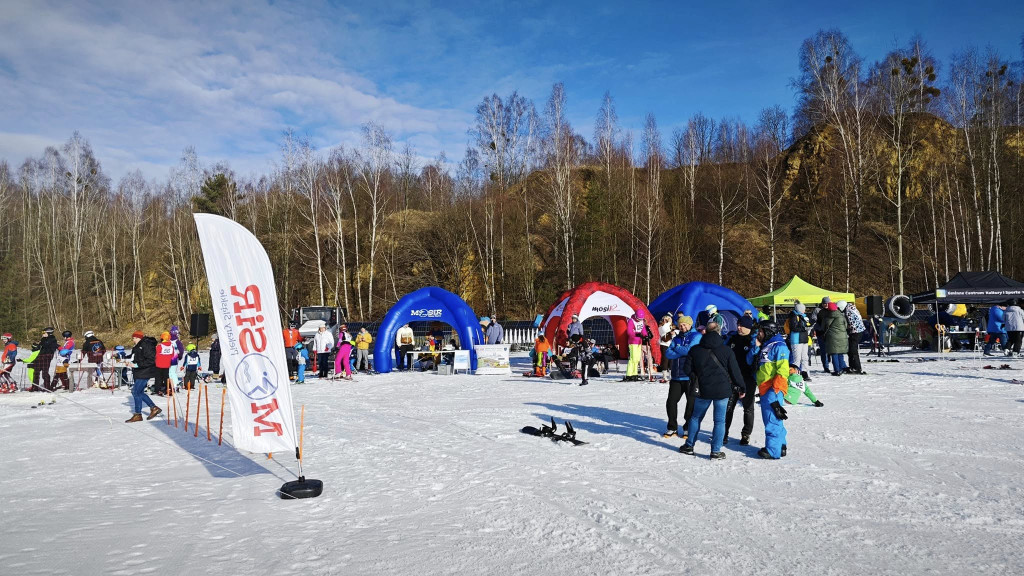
(636,330)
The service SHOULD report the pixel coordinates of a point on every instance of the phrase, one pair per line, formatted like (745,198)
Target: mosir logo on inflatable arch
(605,309)
(424,313)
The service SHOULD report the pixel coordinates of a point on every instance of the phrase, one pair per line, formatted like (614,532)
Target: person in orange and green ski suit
(773,383)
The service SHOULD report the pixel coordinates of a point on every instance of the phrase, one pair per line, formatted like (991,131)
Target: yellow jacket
(363,341)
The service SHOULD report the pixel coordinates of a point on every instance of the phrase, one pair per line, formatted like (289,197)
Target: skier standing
(635,331)
(773,383)
(193,364)
(323,342)
(163,359)
(215,355)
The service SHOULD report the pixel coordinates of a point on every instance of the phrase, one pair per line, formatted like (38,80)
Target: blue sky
(142,81)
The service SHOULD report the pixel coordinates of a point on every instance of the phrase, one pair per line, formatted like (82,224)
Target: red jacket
(165,352)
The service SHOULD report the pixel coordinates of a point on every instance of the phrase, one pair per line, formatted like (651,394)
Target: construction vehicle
(308,319)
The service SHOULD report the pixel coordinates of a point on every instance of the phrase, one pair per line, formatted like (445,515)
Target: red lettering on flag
(263,412)
(250,298)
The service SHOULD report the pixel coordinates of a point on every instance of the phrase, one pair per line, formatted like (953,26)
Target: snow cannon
(301,488)
(900,306)
(946,309)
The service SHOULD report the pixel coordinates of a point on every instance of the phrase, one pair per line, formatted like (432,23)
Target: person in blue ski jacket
(996,328)
(302,358)
(679,384)
(773,383)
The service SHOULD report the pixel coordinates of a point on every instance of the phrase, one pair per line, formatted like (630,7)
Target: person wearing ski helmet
(92,352)
(301,358)
(710,315)
(192,366)
(8,356)
(165,354)
(773,383)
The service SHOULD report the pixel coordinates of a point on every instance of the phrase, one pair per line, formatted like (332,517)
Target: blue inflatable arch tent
(693,297)
(431,304)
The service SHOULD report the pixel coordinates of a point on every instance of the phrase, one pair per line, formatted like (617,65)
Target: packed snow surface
(915,469)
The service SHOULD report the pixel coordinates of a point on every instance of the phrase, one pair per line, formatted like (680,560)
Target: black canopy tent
(974,288)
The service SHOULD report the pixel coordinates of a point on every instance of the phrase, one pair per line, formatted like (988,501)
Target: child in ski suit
(773,383)
(797,388)
(192,366)
(301,358)
(166,354)
(60,373)
(541,348)
(7,359)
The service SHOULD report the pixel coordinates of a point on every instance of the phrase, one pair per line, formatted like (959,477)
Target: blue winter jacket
(678,350)
(996,317)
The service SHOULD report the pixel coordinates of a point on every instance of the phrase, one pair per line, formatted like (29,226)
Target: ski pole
(220,434)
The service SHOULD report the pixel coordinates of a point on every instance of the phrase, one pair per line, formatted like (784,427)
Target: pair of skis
(552,432)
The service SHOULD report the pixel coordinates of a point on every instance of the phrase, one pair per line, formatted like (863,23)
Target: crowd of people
(718,369)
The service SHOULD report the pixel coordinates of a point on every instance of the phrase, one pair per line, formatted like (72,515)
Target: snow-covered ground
(915,469)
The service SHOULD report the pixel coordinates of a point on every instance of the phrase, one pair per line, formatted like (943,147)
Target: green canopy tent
(799,289)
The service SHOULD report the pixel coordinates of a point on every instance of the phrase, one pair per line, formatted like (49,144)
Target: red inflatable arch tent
(597,299)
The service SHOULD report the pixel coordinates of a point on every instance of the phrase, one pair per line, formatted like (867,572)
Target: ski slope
(915,469)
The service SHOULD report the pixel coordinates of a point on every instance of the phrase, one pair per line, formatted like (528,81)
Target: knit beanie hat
(138,334)
(800,308)
(746,322)
(832,306)
(686,320)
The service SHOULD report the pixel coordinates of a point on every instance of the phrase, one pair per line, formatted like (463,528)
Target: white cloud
(141,81)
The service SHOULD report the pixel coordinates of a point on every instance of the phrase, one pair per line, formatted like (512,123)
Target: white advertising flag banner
(251,342)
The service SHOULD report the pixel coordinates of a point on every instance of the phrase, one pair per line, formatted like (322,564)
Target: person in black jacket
(47,348)
(741,342)
(717,374)
(143,368)
(215,357)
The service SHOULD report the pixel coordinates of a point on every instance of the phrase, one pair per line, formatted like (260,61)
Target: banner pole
(302,429)
(220,434)
(206,397)
(167,387)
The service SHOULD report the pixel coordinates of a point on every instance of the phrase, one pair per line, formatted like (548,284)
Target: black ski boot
(805,375)
(745,440)
(783,450)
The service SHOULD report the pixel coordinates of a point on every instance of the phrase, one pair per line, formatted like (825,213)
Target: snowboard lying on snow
(552,432)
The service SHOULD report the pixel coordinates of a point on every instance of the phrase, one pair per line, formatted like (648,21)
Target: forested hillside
(887,177)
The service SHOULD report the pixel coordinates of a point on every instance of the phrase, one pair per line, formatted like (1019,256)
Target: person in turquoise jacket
(679,384)
(302,357)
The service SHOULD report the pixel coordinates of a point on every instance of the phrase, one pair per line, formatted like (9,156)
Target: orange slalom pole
(174,402)
(188,407)
(199,403)
(168,387)
(206,396)
(220,434)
